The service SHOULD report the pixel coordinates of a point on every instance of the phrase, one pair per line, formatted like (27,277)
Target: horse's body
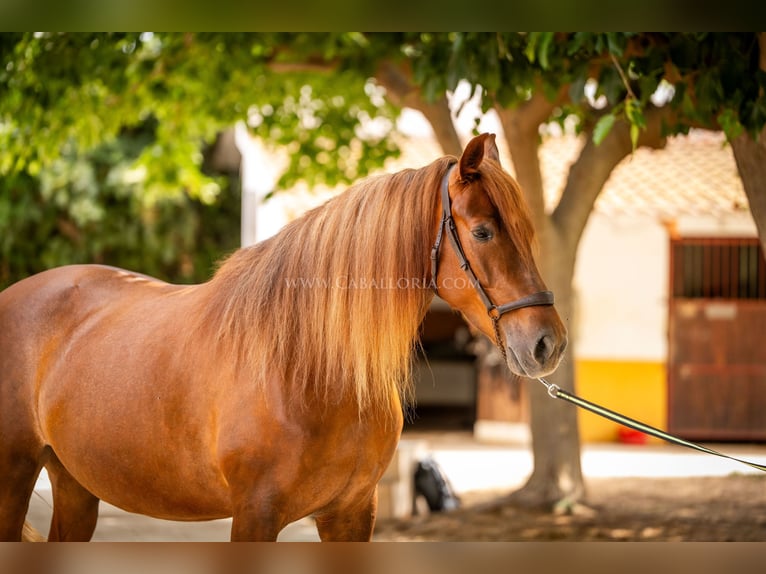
(269,393)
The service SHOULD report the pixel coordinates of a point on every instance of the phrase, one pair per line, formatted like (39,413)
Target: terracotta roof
(694,174)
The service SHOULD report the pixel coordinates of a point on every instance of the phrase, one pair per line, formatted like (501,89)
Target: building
(664,218)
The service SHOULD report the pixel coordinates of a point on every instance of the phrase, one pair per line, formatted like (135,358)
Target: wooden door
(717,340)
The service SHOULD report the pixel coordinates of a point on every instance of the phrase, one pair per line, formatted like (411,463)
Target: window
(718,268)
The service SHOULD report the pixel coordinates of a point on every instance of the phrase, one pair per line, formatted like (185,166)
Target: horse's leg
(18,475)
(353,523)
(75,510)
(255,519)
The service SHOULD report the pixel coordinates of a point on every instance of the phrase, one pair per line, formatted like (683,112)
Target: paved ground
(470,466)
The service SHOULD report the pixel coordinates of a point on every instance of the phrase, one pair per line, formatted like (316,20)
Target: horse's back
(64,291)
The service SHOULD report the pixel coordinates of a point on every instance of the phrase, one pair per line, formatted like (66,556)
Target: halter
(494,311)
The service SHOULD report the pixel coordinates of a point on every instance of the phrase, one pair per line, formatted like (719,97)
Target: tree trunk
(557,480)
(750,155)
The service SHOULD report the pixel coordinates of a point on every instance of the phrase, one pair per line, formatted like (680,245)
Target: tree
(83,89)
(87,208)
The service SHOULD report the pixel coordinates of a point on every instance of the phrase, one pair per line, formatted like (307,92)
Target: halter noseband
(494,311)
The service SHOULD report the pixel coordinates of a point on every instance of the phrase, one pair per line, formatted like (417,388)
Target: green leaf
(530,49)
(634,112)
(546,40)
(603,126)
(614,44)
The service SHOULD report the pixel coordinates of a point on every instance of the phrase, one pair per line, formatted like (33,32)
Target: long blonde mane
(332,304)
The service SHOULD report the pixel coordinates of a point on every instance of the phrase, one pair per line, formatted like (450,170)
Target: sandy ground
(729,508)
(655,492)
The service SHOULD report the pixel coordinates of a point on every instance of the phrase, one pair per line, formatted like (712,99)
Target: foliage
(68,88)
(77,184)
(90,209)
(709,80)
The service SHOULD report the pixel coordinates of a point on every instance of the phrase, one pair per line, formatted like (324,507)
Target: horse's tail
(29,534)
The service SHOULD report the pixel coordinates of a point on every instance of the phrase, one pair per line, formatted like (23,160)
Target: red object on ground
(627,435)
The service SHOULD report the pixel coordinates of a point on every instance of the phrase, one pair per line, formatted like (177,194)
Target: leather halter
(494,311)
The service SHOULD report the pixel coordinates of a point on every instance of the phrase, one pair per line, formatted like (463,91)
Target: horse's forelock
(508,199)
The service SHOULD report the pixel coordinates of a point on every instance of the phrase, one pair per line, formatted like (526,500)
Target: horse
(275,390)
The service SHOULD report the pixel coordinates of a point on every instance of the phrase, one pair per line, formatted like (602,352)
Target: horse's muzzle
(538,355)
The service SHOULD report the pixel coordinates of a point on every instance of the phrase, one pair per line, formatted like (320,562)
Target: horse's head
(483,262)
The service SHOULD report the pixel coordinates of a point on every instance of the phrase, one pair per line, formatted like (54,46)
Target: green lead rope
(558,393)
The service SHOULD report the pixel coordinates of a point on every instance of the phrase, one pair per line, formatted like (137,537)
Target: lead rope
(557,392)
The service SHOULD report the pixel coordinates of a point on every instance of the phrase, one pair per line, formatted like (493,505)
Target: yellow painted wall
(636,389)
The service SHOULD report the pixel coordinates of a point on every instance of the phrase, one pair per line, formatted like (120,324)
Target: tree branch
(521,125)
(402,92)
(593,167)
(523,145)
(762,44)
(750,155)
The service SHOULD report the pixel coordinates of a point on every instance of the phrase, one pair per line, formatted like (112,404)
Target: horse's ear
(477,149)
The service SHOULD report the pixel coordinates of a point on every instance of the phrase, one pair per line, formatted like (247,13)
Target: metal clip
(553,390)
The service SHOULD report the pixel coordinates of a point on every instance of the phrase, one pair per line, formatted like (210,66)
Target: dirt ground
(730,508)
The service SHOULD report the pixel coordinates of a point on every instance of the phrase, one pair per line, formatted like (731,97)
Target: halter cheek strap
(494,311)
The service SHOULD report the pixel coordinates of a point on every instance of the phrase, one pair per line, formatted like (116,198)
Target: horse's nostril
(544,349)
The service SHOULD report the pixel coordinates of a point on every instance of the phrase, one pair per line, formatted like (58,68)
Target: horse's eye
(482,233)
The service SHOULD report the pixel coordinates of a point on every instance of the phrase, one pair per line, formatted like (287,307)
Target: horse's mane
(323,305)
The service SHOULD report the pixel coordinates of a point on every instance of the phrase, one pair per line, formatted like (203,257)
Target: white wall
(621,289)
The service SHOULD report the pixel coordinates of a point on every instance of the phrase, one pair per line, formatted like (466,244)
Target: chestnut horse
(274,391)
